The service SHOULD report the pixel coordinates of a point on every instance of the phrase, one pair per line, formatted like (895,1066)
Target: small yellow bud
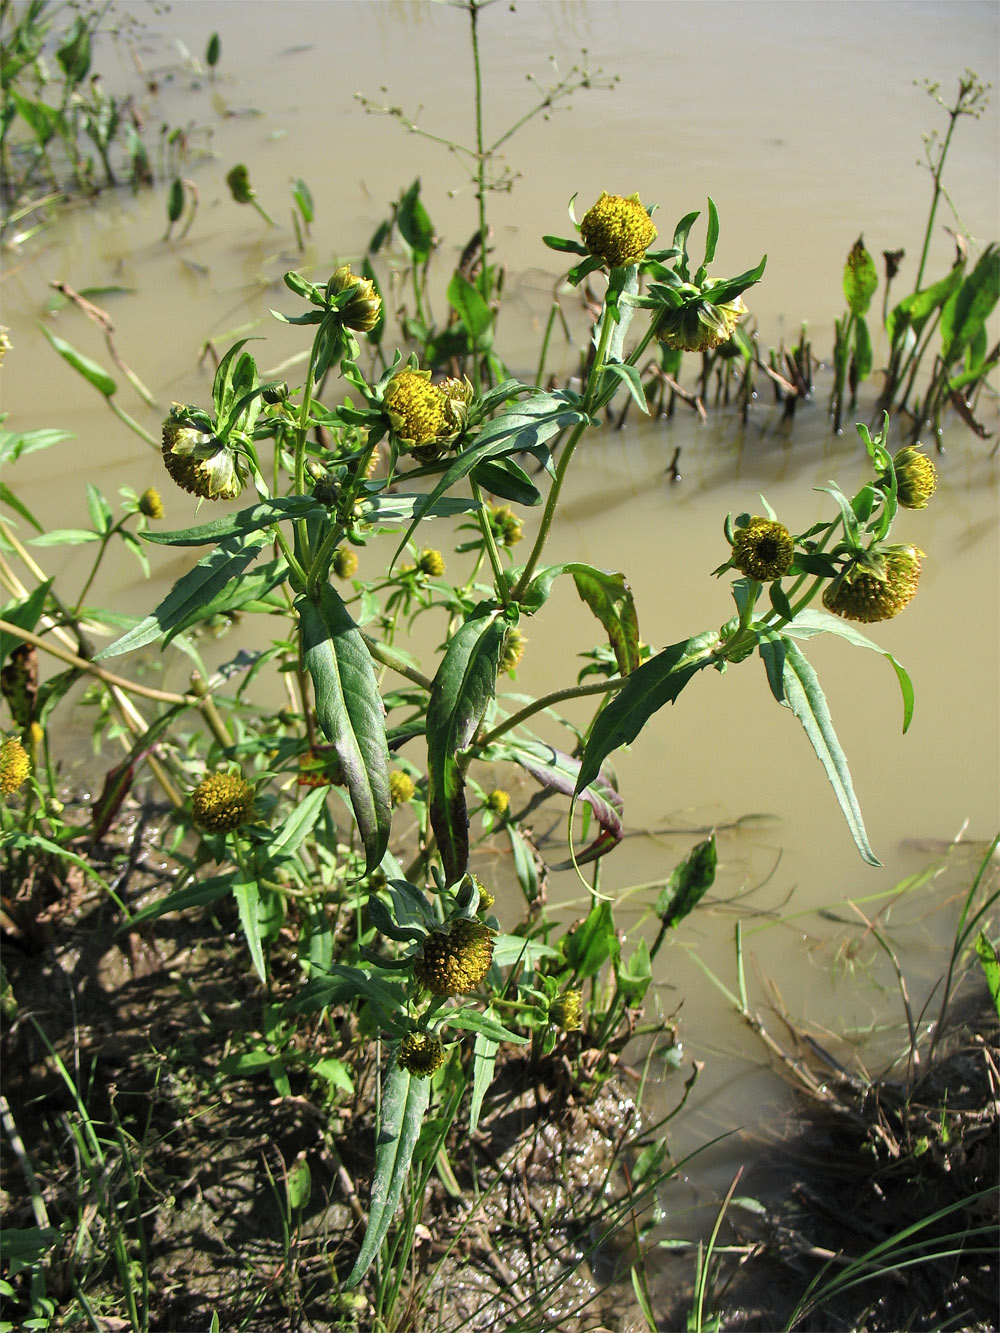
(222,802)
(401,787)
(421,1054)
(513,649)
(566,1011)
(498,801)
(150,503)
(14,765)
(364,309)
(916,478)
(345,563)
(431,563)
(507,527)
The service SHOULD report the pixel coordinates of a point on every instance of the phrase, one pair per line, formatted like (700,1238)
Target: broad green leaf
(90,370)
(464,686)
(610,599)
(860,278)
(253,519)
(511,949)
(862,350)
(810,622)
(966,309)
(385,509)
(633,976)
(913,311)
(99,509)
(213,50)
(299,1185)
(727,289)
(990,961)
(175,200)
(25,613)
(805,698)
(290,835)
(191,592)
(414,224)
(43,119)
(590,944)
(688,883)
(467,301)
(632,380)
(403,1105)
(655,683)
(74,54)
(508,480)
(252,588)
(350,712)
(247,897)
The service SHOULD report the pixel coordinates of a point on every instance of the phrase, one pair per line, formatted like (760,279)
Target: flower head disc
(222,802)
(617,230)
(698,326)
(875,590)
(363,311)
(916,478)
(420,1054)
(199,462)
(566,1011)
(455,961)
(763,550)
(14,765)
(425,418)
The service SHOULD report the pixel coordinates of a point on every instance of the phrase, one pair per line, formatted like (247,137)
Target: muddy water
(803,123)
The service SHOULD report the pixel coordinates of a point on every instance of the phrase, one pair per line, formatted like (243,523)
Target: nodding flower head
(617,230)
(455,961)
(875,586)
(513,649)
(199,462)
(916,478)
(420,1054)
(14,765)
(363,310)
(426,418)
(222,802)
(698,325)
(763,550)
(150,503)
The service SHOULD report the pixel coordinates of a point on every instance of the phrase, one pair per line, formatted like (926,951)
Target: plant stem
(557,696)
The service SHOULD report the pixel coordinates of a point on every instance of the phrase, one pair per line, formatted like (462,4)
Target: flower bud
(916,478)
(401,787)
(363,311)
(14,765)
(150,503)
(513,649)
(222,802)
(454,961)
(877,588)
(345,563)
(763,550)
(498,801)
(566,1011)
(421,1054)
(507,527)
(617,230)
(431,563)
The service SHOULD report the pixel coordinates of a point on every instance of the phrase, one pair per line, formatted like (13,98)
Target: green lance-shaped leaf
(350,712)
(804,696)
(415,226)
(463,688)
(558,771)
(74,54)
(484,1060)
(966,310)
(247,894)
(860,278)
(990,961)
(467,302)
(590,944)
(914,310)
(25,614)
(191,593)
(90,370)
(632,977)
(608,596)
(652,685)
(688,883)
(404,1102)
(253,519)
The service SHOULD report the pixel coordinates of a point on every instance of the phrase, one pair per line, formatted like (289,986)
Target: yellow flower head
(222,802)
(498,801)
(763,550)
(698,326)
(431,563)
(14,765)
(421,1054)
(455,961)
(363,310)
(507,527)
(877,588)
(425,418)
(566,1011)
(198,462)
(916,478)
(513,649)
(617,230)
(401,787)
(150,503)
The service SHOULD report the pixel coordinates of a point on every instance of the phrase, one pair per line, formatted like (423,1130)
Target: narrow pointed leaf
(253,519)
(463,688)
(90,370)
(805,698)
(404,1103)
(247,897)
(688,883)
(860,278)
(809,622)
(350,712)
